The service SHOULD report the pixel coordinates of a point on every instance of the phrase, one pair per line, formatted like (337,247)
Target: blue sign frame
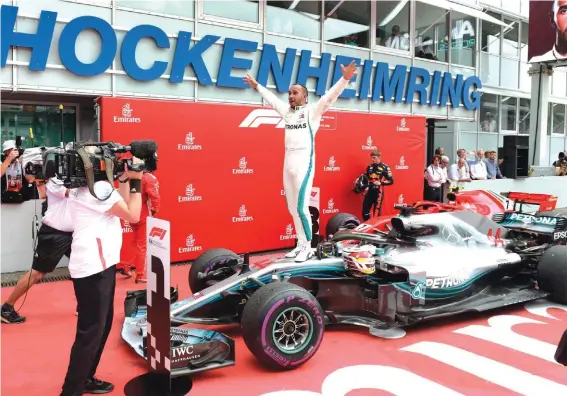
(398,87)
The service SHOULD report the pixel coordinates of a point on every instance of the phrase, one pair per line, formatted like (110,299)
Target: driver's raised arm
(326,101)
(273,101)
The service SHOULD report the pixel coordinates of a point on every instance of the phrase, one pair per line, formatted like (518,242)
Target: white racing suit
(301,126)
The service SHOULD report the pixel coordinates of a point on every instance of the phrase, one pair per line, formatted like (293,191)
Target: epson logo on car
(560,235)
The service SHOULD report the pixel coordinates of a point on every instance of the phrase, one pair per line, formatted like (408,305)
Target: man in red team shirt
(136,248)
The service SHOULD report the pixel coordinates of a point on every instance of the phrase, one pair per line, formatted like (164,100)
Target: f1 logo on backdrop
(262,117)
(158,233)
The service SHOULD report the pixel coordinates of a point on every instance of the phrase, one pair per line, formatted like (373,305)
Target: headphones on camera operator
(82,164)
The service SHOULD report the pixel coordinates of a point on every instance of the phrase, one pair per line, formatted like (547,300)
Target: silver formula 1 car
(426,266)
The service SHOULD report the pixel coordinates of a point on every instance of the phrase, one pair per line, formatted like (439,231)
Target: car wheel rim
(292,330)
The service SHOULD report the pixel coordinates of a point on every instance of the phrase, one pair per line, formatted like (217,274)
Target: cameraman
(97,240)
(53,241)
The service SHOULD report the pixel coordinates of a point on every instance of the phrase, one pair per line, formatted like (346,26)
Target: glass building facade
(437,35)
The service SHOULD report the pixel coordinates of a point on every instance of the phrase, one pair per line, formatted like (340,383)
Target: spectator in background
(492,167)
(489,123)
(459,173)
(478,169)
(435,179)
(560,160)
(440,151)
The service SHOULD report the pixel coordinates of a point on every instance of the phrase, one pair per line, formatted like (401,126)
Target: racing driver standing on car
(379,174)
(302,122)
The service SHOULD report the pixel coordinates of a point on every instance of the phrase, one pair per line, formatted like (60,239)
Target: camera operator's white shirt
(57,215)
(97,236)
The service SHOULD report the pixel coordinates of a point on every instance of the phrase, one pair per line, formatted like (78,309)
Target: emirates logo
(402,165)
(127,110)
(289,229)
(242,168)
(330,207)
(190,245)
(401,199)
(242,215)
(190,241)
(369,144)
(189,143)
(190,195)
(402,127)
(331,167)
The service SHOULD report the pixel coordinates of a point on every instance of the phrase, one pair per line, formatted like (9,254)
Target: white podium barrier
(555,185)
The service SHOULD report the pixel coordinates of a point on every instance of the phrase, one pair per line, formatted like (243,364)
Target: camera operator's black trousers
(95,305)
(370,202)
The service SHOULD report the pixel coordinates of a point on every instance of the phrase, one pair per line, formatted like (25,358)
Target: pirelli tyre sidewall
(339,221)
(209,260)
(552,273)
(277,308)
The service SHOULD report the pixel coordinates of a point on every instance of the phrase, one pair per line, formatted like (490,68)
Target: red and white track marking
(503,354)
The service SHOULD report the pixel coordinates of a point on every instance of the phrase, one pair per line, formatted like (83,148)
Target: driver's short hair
(376,153)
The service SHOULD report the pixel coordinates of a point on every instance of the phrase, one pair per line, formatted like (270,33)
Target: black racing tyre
(338,221)
(220,260)
(552,273)
(275,316)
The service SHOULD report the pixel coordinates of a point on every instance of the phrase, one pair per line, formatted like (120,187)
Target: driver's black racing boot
(97,387)
(10,316)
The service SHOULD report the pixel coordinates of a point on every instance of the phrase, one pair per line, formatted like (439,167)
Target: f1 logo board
(158,262)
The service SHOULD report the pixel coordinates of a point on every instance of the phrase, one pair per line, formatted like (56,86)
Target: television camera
(81,164)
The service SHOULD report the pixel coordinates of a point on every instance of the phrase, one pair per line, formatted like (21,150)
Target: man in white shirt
(53,242)
(97,240)
(558,21)
(478,169)
(435,179)
(459,172)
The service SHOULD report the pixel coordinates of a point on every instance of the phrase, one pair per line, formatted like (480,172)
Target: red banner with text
(220,168)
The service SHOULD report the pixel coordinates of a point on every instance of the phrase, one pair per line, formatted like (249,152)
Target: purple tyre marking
(267,319)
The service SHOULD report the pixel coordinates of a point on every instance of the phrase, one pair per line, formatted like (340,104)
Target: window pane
(509,73)
(524,116)
(558,111)
(511,37)
(431,29)
(302,20)
(392,24)
(44,121)
(525,7)
(490,69)
(349,24)
(463,39)
(490,35)
(511,6)
(559,82)
(525,79)
(489,113)
(508,106)
(240,10)
(524,42)
(170,7)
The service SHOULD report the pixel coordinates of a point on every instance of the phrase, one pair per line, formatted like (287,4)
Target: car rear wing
(548,225)
(546,202)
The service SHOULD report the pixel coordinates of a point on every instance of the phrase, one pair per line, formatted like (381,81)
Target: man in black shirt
(379,174)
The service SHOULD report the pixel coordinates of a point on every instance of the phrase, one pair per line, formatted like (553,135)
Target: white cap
(8,145)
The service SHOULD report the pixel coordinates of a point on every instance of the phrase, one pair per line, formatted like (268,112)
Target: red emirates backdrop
(220,168)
